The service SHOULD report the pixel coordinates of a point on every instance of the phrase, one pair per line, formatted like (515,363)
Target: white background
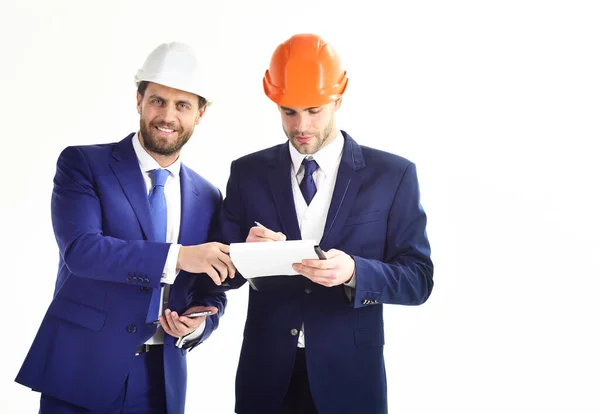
(496,102)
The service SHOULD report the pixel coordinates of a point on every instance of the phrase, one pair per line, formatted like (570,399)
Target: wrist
(181,257)
(350,278)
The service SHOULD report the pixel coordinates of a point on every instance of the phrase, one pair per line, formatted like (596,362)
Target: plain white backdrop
(497,102)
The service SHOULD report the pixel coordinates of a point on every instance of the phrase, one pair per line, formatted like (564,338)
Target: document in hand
(258,259)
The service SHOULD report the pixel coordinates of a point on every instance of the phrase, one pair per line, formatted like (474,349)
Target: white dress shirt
(173,197)
(312,218)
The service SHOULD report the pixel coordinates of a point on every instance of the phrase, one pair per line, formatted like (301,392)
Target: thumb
(330,254)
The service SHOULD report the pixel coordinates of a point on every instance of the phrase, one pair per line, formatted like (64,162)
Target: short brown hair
(143,85)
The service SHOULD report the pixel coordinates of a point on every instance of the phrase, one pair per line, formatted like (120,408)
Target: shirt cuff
(170,271)
(192,336)
(352,282)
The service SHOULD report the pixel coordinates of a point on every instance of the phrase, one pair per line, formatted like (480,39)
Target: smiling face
(167,120)
(310,129)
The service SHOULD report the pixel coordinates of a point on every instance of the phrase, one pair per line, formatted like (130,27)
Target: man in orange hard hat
(314,344)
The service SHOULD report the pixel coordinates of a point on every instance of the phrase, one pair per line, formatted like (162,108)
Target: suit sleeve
(204,292)
(231,227)
(405,276)
(77,222)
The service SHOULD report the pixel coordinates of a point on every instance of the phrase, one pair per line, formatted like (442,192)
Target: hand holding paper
(337,269)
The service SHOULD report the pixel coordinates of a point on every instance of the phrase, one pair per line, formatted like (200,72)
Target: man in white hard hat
(134,229)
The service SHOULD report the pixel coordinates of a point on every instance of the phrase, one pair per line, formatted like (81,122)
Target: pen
(318,250)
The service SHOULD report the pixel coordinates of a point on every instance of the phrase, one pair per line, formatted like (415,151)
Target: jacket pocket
(78,313)
(363,218)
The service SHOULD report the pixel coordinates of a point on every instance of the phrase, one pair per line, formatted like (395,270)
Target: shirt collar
(147,163)
(328,157)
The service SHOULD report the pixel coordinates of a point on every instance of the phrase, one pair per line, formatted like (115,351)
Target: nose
(302,122)
(169,114)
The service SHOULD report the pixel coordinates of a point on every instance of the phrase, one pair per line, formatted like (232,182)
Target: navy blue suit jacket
(376,217)
(107,270)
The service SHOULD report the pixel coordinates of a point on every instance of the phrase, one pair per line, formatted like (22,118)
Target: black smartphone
(190,315)
(320,253)
(196,314)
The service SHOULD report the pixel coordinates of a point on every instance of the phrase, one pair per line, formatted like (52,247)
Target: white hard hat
(175,65)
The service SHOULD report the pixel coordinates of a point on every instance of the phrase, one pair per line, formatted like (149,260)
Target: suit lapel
(280,180)
(189,200)
(347,184)
(127,169)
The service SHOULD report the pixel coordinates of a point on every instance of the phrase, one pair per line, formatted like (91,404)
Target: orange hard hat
(305,71)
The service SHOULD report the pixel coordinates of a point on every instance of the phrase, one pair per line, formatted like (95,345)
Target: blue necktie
(158,212)
(308,186)
(158,204)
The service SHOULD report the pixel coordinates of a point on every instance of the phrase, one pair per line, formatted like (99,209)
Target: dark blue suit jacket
(375,216)
(107,270)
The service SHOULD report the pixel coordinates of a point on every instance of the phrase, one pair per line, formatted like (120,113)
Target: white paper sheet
(260,259)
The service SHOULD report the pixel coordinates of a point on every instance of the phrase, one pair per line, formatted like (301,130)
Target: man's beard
(319,138)
(158,145)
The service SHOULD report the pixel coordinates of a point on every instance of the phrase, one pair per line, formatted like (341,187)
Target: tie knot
(159,177)
(310,166)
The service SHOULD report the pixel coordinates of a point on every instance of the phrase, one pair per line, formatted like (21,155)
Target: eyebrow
(285,108)
(183,101)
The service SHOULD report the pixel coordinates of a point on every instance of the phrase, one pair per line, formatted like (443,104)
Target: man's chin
(166,151)
(161,146)
(303,148)
(163,149)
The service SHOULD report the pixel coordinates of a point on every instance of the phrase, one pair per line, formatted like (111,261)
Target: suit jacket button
(294,332)
(128,278)
(131,329)
(146,281)
(307,291)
